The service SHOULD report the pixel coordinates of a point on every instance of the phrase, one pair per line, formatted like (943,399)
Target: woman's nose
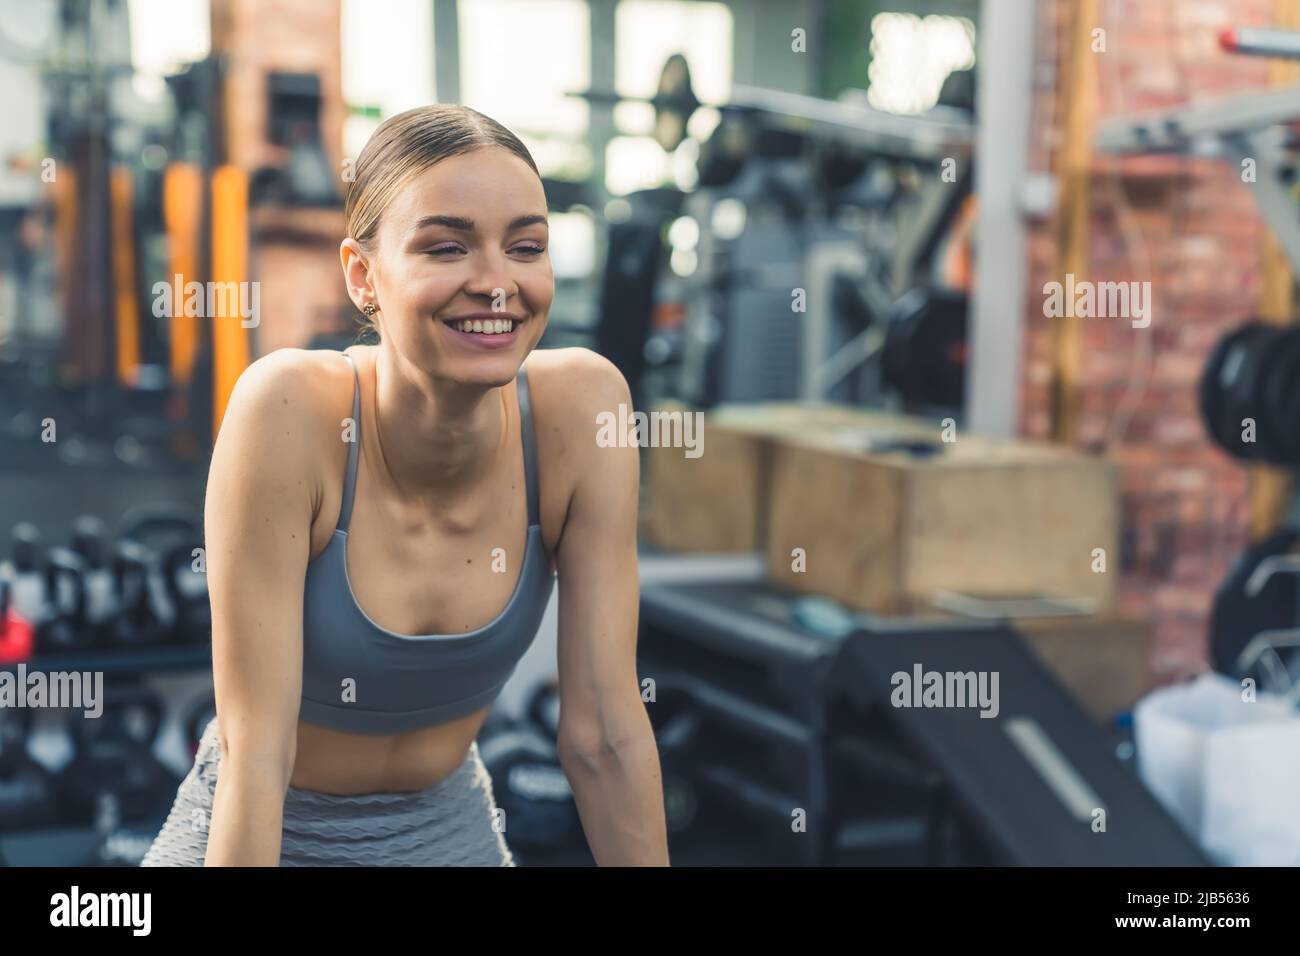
(491,276)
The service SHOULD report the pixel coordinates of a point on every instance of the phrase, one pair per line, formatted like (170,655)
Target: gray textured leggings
(450,824)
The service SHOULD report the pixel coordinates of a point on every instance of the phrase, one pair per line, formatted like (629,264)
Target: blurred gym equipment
(113,776)
(26,787)
(1251,127)
(813,228)
(1250,393)
(130,370)
(793,720)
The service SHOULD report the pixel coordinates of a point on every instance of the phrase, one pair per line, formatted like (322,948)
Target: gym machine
(805,253)
(836,213)
(147,199)
(771,708)
(1261,41)
(1257,132)
(105,377)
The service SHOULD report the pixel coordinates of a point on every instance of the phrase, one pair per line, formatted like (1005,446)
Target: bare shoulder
(284,413)
(303,374)
(576,389)
(569,388)
(302,389)
(577,381)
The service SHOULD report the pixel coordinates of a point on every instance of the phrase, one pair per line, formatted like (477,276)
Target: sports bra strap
(350,481)
(530,444)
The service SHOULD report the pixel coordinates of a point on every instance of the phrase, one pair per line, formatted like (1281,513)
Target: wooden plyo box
(717,503)
(883,531)
(1105,662)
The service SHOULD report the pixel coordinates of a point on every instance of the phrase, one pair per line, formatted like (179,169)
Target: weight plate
(924,355)
(1269,359)
(1237,618)
(1221,373)
(1241,380)
(1281,391)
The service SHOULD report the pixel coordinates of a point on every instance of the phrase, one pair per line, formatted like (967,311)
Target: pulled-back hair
(409,143)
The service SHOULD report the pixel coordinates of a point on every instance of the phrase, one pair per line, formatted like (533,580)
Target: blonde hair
(409,143)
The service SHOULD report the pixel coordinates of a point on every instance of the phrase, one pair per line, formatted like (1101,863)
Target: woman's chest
(413,573)
(412,578)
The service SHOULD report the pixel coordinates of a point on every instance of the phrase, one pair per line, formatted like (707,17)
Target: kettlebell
(139,619)
(90,544)
(113,776)
(61,623)
(159,526)
(49,596)
(187,590)
(23,571)
(531,788)
(26,787)
(17,642)
(159,530)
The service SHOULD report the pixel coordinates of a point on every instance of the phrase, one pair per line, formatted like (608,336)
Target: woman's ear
(356,273)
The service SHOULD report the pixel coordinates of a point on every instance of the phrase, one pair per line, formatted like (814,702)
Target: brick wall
(265,36)
(1190,227)
(294,252)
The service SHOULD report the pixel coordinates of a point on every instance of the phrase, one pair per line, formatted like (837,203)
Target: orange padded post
(229,269)
(125,295)
(182,208)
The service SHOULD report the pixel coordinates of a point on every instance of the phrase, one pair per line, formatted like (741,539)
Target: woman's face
(464,239)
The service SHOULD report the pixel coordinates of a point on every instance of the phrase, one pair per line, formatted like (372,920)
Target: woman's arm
(260,499)
(605,741)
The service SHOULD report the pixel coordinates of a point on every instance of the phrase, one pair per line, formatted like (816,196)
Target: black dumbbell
(113,776)
(26,787)
(1237,616)
(676,737)
(531,788)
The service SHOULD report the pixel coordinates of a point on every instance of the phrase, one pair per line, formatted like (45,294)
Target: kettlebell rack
(121,663)
(115,609)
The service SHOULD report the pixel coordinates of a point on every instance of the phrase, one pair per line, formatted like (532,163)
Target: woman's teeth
(486,326)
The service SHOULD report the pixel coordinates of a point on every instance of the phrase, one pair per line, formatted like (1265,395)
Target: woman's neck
(437,439)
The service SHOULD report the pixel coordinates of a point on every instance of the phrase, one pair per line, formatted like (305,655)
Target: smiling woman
(439,232)
(372,595)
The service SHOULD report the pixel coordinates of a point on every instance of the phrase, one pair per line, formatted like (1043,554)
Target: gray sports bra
(358,677)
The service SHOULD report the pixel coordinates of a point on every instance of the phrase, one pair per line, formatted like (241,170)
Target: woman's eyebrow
(467,225)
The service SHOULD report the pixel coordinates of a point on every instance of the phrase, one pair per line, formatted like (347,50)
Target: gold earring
(370,308)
